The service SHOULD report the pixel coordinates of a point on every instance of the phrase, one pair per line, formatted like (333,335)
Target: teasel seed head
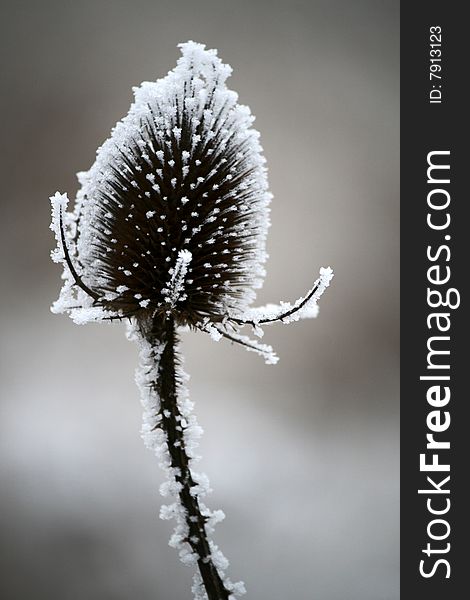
(172,217)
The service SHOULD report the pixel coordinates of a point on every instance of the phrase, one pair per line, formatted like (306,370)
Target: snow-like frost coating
(305,307)
(156,440)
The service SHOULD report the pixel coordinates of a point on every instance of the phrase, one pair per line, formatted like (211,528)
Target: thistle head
(172,217)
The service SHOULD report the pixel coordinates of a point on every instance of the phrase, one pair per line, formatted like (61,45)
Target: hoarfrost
(303,308)
(156,440)
(176,284)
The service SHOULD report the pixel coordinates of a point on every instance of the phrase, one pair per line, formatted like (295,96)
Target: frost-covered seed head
(177,198)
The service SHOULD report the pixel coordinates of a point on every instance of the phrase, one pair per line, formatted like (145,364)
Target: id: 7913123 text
(435,64)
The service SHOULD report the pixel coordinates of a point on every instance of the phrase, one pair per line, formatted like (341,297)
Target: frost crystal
(177,282)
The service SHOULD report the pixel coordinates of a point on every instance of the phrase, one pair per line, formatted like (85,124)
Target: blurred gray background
(303,456)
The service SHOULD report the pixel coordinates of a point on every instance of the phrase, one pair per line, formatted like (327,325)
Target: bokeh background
(303,457)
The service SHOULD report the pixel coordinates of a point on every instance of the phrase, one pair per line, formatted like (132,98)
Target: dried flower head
(173,215)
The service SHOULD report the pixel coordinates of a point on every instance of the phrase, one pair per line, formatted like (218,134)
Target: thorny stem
(163,331)
(68,260)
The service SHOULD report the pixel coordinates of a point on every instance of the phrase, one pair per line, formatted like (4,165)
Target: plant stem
(163,331)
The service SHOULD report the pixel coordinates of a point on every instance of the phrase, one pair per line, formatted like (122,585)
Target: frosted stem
(163,332)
